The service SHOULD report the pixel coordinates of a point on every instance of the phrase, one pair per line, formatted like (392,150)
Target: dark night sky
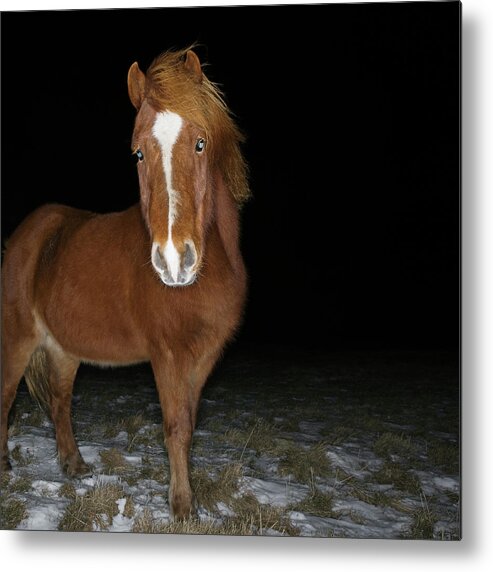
(352,118)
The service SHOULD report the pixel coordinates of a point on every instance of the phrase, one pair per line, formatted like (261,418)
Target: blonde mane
(169,85)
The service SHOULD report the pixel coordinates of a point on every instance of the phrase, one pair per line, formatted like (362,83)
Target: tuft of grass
(379,498)
(289,423)
(339,434)
(5,478)
(389,444)
(422,527)
(22,459)
(132,425)
(95,510)
(67,490)
(357,517)
(444,455)
(305,464)
(146,436)
(11,484)
(214,424)
(368,423)
(146,523)
(153,472)
(316,503)
(261,517)
(114,462)
(393,474)
(111,427)
(208,491)
(37,417)
(26,414)
(12,513)
(251,518)
(259,435)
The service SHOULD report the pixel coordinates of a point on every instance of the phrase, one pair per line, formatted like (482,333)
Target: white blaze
(166,130)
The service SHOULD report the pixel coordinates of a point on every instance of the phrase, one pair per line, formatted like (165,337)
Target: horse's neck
(226,217)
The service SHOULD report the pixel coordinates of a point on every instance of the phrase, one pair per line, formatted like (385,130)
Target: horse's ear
(192,64)
(136,83)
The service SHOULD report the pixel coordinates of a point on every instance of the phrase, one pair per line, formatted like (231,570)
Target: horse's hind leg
(62,372)
(16,354)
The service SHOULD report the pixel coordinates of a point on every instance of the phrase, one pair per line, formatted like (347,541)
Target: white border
(77,552)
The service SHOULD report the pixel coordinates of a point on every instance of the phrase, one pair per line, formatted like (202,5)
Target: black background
(352,120)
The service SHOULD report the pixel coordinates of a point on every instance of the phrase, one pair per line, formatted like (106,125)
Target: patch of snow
(90,453)
(47,488)
(133,459)
(44,516)
(447,483)
(121,523)
(272,492)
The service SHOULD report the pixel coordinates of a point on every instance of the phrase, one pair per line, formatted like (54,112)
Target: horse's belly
(92,324)
(93,340)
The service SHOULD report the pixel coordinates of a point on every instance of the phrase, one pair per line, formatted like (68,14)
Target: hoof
(76,467)
(182,509)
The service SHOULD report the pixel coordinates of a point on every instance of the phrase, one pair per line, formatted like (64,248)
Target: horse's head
(171,143)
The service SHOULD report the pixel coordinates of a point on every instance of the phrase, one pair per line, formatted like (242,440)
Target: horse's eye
(200,145)
(140,155)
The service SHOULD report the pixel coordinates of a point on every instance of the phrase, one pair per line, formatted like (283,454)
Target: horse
(162,282)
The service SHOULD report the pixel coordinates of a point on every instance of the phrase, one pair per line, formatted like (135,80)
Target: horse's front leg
(179,399)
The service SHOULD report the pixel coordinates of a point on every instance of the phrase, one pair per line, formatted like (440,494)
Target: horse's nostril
(158,259)
(189,257)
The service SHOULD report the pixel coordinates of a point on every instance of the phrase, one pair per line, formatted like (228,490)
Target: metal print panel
(231,270)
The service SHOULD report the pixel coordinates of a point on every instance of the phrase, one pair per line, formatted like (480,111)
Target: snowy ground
(360,445)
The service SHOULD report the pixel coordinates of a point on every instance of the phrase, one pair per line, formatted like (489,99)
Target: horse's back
(30,245)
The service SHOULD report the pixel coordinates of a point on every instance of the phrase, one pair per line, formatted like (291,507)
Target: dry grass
(251,518)
(379,498)
(209,491)
(67,490)
(422,527)
(12,513)
(394,474)
(339,434)
(390,444)
(260,518)
(148,524)
(22,459)
(316,503)
(305,464)
(114,462)
(259,434)
(367,423)
(130,425)
(445,455)
(18,484)
(157,473)
(31,415)
(95,510)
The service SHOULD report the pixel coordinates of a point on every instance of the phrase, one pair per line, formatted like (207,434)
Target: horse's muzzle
(173,267)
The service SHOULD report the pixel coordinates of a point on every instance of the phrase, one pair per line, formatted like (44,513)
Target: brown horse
(163,281)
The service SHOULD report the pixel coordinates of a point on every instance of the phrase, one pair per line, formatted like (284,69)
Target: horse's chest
(202,316)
